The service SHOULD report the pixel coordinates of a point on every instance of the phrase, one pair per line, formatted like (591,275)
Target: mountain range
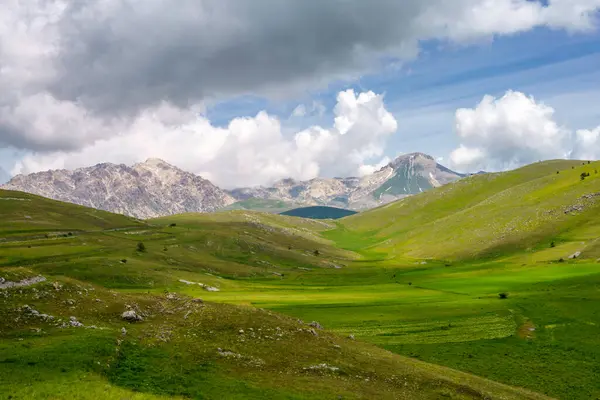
(156,188)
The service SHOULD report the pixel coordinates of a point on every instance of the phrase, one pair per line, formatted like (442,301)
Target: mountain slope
(406,175)
(27,214)
(483,214)
(64,334)
(150,189)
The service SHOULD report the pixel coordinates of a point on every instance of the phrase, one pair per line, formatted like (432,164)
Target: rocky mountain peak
(145,190)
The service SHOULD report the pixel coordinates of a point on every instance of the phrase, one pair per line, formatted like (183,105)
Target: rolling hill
(486,215)
(495,275)
(319,212)
(92,314)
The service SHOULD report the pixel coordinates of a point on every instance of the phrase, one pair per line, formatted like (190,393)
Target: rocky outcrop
(150,189)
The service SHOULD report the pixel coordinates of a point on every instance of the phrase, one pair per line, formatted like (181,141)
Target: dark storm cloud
(137,53)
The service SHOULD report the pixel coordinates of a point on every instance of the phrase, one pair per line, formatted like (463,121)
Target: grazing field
(507,294)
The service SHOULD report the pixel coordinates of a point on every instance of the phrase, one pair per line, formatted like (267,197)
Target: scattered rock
(210,288)
(30,311)
(172,296)
(4,284)
(322,367)
(314,333)
(131,316)
(70,302)
(575,255)
(315,324)
(241,331)
(200,301)
(123,331)
(351,337)
(73,322)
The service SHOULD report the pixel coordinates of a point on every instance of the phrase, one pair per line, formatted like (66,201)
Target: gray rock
(4,284)
(131,316)
(73,322)
(315,324)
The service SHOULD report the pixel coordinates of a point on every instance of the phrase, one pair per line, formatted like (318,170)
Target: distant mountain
(155,188)
(149,189)
(407,175)
(319,212)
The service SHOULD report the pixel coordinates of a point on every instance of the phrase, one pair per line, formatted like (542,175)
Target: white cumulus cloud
(586,144)
(249,151)
(508,132)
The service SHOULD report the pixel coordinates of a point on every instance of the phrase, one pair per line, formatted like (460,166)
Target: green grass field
(417,283)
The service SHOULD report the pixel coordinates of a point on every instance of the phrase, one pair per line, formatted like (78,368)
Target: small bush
(561,260)
(124,261)
(503,295)
(409,283)
(172,225)
(584,175)
(70,233)
(317,252)
(141,247)
(553,244)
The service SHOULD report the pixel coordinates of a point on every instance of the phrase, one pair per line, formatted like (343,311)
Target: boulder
(131,316)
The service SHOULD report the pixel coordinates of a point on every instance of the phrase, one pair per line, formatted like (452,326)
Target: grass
(416,282)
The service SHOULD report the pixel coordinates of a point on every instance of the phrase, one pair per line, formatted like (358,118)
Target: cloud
(4,177)
(249,151)
(508,132)
(299,111)
(75,73)
(317,108)
(587,144)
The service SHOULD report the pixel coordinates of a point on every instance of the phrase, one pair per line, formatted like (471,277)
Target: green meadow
(465,291)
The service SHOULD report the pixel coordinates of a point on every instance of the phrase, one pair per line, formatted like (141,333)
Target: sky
(247,93)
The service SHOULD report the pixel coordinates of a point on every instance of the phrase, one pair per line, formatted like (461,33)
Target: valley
(484,288)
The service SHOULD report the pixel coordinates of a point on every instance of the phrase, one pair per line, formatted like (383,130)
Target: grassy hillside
(62,296)
(485,215)
(262,205)
(24,213)
(319,212)
(468,276)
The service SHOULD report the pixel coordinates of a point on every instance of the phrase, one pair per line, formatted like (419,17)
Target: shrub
(584,175)
(317,252)
(561,260)
(172,225)
(70,233)
(124,261)
(553,244)
(141,247)
(503,295)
